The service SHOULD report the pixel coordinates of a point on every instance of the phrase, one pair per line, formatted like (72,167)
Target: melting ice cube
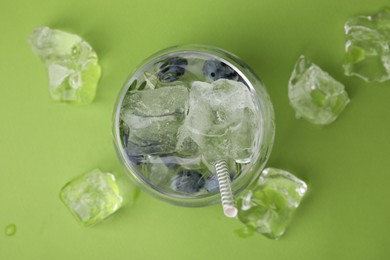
(71,63)
(154,117)
(368,46)
(314,94)
(92,197)
(269,206)
(221,121)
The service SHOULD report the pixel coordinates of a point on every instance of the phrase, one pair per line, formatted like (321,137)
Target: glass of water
(193,124)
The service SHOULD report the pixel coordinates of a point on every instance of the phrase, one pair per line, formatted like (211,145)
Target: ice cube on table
(314,94)
(153,118)
(268,207)
(368,46)
(71,63)
(221,120)
(92,197)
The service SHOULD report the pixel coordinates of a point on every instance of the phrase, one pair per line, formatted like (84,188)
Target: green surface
(44,144)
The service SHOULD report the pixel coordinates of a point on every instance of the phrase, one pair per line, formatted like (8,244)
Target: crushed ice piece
(221,121)
(92,197)
(71,63)
(314,94)
(154,117)
(269,206)
(160,170)
(367,47)
(164,101)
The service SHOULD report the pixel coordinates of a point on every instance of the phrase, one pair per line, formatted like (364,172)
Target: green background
(44,144)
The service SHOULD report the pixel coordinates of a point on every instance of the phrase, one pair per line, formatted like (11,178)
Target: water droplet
(245,232)
(10,230)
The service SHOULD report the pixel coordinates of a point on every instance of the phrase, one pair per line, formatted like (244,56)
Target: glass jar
(150,155)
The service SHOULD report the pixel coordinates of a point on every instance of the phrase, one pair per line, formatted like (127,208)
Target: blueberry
(214,70)
(188,181)
(212,184)
(172,69)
